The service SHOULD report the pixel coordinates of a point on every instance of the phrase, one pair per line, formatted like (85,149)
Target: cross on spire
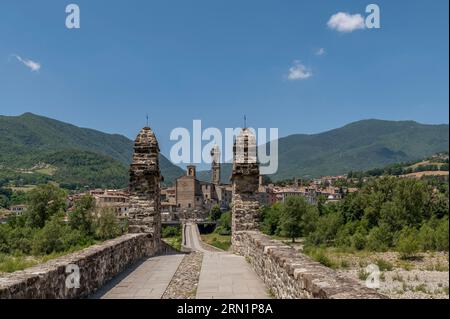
(147,119)
(245,121)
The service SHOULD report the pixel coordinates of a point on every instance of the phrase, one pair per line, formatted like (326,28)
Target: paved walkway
(224,275)
(145,280)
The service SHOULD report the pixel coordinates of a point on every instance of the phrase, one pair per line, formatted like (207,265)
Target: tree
(291,217)
(224,224)
(270,218)
(309,220)
(215,213)
(81,217)
(326,228)
(44,201)
(321,200)
(107,225)
(49,239)
(412,196)
(4,201)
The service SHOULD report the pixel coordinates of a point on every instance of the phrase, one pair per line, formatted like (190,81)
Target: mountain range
(86,157)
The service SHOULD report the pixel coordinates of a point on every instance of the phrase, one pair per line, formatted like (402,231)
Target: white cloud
(345,22)
(32,65)
(321,51)
(299,72)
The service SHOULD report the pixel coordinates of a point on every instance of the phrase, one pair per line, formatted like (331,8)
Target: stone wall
(98,264)
(291,275)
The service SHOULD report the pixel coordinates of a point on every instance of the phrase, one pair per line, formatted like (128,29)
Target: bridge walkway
(147,279)
(224,275)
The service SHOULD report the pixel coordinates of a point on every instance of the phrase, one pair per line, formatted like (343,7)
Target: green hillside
(79,156)
(358,146)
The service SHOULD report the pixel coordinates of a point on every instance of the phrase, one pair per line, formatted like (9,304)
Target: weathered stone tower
(144,187)
(245,179)
(215,165)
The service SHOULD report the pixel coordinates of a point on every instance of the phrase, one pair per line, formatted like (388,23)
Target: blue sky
(216,60)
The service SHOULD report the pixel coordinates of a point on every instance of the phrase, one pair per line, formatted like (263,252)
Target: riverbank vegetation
(388,213)
(48,229)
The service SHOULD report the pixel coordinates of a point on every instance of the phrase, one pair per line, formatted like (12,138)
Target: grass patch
(174,242)
(421,288)
(437,267)
(50,171)
(363,274)
(344,264)
(25,188)
(405,265)
(320,255)
(9,263)
(219,241)
(384,265)
(12,263)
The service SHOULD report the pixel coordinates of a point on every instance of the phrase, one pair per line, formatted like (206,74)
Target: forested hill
(76,155)
(358,146)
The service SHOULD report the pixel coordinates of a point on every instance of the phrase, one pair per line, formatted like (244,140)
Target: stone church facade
(195,198)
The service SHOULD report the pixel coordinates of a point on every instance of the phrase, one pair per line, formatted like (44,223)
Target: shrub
(363,274)
(215,213)
(384,265)
(319,255)
(358,241)
(224,224)
(407,243)
(442,240)
(427,237)
(170,231)
(107,225)
(378,239)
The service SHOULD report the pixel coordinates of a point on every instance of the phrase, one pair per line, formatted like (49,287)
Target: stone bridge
(140,265)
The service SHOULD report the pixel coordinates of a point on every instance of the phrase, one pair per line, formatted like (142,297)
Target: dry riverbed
(423,277)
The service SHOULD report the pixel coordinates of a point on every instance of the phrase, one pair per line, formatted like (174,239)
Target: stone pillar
(144,187)
(245,180)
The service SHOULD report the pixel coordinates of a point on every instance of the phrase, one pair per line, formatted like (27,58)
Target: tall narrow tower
(215,165)
(245,179)
(144,187)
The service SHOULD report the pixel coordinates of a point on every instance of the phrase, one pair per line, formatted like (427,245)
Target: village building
(18,210)
(194,198)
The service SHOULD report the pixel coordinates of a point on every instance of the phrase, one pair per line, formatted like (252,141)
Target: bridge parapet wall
(289,274)
(97,265)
